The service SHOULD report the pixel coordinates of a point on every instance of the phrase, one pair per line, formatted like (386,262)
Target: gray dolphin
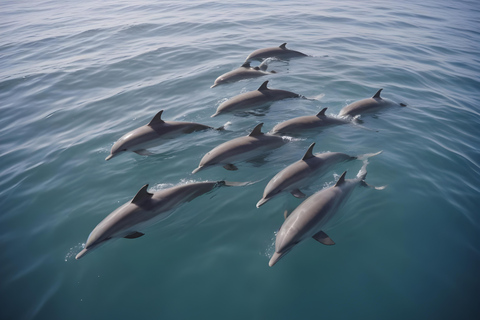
(254,99)
(280,52)
(244,72)
(299,173)
(144,210)
(300,124)
(153,134)
(311,216)
(367,105)
(240,149)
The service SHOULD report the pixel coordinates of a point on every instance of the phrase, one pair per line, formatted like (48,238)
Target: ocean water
(77,75)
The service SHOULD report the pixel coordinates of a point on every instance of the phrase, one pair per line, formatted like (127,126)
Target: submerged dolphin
(145,209)
(280,52)
(367,105)
(311,216)
(298,125)
(244,72)
(240,149)
(153,134)
(298,174)
(254,99)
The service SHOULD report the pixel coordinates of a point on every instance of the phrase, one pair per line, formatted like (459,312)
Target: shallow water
(76,76)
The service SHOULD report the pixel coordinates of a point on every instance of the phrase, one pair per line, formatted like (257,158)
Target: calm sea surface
(76,75)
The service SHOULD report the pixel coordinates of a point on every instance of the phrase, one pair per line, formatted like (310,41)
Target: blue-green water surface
(76,75)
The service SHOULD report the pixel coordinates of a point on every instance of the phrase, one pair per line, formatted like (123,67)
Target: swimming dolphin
(300,124)
(153,134)
(240,149)
(366,105)
(244,72)
(254,99)
(280,52)
(311,216)
(146,209)
(298,174)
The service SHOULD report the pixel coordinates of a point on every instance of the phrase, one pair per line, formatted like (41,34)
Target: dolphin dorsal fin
(322,112)
(283,46)
(341,180)
(142,194)
(309,153)
(377,95)
(257,130)
(245,65)
(157,119)
(263,86)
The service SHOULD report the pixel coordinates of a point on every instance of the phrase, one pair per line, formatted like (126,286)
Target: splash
(270,249)
(73,251)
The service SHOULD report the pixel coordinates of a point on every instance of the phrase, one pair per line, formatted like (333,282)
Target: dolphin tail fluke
(363,173)
(368,155)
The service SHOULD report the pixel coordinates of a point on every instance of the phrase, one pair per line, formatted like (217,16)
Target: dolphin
(366,105)
(153,134)
(145,209)
(299,173)
(311,216)
(240,149)
(299,124)
(254,99)
(281,52)
(244,72)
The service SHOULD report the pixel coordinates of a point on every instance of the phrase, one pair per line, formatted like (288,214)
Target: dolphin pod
(366,105)
(153,134)
(254,99)
(280,52)
(240,149)
(310,218)
(300,124)
(244,72)
(297,175)
(145,209)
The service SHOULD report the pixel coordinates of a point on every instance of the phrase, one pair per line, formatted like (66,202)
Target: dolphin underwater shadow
(146,209)
(310,217)
(153,134)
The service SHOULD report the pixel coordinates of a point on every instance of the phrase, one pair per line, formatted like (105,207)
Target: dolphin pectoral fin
(297,193)
(230,167)
(134,235)
(286,214)
(323,238)
(144,152)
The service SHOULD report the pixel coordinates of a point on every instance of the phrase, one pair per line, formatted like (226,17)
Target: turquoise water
(77,75)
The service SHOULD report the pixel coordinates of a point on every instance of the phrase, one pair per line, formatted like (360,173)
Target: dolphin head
(119,147)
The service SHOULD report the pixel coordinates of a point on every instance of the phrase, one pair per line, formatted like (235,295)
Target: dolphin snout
(214,85)
(196,170)
(276,256)
(81,254)
(262,202)
(109,157)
